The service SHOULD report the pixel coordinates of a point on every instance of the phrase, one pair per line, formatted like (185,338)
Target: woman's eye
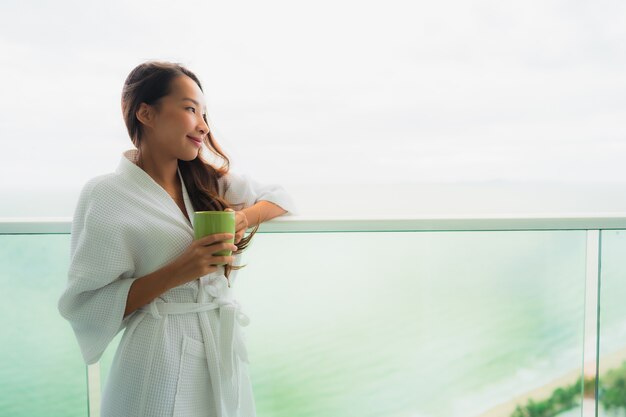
(194,110)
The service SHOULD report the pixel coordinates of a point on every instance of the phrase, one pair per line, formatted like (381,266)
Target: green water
(345,324)
(41,371)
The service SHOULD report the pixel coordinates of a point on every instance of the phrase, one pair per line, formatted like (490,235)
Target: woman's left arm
(260,212)
(260,202)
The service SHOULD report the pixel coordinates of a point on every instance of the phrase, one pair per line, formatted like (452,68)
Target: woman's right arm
(195,262)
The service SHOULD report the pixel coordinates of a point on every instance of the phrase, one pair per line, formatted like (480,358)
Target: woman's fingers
(222,259)
(221,246)
(216,237)
(240,224)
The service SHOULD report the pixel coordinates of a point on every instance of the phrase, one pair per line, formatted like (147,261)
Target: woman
(135,264)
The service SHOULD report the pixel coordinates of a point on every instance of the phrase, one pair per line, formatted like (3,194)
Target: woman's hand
(241,224)
(198,259)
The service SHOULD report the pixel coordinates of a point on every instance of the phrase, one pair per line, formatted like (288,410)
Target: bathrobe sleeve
(101,265)
(242,190)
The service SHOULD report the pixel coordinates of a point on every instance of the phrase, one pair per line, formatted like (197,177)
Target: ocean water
(348,324)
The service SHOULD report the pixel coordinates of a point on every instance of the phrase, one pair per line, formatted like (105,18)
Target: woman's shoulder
(101,204)
(100,188)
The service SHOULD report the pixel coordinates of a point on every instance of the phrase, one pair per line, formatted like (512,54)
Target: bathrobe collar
(129,169)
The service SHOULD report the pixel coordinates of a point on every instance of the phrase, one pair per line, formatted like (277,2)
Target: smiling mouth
(198,140)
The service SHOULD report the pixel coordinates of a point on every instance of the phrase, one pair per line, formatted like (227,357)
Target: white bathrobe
(183,353)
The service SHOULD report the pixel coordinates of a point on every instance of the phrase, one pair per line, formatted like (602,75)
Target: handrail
(302,224)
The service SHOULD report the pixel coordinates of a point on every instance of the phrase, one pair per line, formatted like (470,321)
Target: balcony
(426,317)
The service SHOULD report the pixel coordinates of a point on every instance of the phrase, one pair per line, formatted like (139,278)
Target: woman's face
(179,128)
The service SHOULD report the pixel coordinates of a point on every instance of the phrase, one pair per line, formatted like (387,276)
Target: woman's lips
(197,141)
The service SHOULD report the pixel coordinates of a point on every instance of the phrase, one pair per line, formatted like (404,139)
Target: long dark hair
(148,83)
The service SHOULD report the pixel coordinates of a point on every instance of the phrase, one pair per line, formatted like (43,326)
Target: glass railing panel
(612,344)
(402,324)
(426,324)
(369,324)
(41,369)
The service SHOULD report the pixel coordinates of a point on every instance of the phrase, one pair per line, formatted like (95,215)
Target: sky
(327,92)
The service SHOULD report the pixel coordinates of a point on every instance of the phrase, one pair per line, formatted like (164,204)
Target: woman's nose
(203,126)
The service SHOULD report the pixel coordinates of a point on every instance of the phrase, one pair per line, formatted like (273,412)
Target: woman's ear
(145,114)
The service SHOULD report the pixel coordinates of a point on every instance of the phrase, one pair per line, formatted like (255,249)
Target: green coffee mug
(210,222)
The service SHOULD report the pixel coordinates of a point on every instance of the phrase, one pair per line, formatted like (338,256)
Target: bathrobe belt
(223,371)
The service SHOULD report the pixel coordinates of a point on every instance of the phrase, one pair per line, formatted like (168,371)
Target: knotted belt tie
(221,360)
